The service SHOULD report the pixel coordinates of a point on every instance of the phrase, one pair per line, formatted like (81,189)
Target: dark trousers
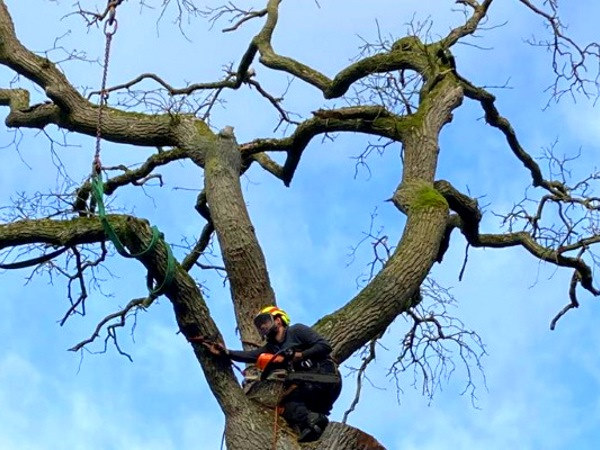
(309,396)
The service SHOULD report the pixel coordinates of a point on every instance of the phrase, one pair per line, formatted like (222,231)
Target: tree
(402,90)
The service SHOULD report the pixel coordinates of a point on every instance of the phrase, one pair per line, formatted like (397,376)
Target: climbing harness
(97,190)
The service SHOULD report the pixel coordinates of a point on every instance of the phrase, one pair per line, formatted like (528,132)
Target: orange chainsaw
(267,362)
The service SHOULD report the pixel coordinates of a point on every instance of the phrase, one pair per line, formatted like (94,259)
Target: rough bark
(256,429)
(244,260)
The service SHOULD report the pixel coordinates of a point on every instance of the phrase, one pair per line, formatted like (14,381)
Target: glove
(288,354)
(216,348)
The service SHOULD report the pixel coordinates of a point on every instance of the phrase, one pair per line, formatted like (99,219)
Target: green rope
(153,292)
(169,275)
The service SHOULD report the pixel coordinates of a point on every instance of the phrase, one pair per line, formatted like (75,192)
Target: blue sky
(542,386)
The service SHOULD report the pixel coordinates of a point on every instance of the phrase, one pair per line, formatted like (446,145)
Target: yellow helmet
(275,311)
(264,321)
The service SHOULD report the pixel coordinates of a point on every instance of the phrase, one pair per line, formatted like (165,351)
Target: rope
(110,28)
(154,292)
(109,33)
(282,395)
(98,194)
(275,430)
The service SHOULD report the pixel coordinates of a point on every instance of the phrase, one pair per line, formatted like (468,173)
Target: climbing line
(97,185)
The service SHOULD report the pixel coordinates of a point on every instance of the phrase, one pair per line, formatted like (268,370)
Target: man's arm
(218,349)
(317,346)
(248,356)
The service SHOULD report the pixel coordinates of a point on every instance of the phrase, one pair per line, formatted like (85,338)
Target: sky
(541,387)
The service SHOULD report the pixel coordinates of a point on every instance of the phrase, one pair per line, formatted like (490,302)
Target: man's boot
(313,428)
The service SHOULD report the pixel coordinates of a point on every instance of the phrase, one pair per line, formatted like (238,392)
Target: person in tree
(313,383)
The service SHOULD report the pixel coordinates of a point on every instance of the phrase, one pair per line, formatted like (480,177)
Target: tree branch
(569,59)
(470,217)
(73,112)
(366,119)
(493,117)
(204,239)
(479,13)
(130,176)
(402,57)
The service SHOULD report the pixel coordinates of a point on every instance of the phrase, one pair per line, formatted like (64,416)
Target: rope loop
(154,292)
(98,193)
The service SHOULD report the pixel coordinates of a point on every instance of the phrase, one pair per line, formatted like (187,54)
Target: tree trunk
(255,429)
(244,260)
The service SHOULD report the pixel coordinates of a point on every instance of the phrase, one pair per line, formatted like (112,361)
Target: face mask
(272,332)
(265,324)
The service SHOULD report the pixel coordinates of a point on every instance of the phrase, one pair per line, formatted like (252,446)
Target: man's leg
(297,411)
(325,396)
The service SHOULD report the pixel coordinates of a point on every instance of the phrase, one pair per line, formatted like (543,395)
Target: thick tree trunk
(336,436)
(255,429)
(242,255)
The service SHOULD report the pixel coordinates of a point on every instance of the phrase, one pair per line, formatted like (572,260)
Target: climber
(313,383)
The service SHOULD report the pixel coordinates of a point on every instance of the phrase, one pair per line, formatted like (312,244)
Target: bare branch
(203,241)
(493,117)
(135,177)
(361,374)
(546,244)
(570,60)
(237,15)
(367,119)
(80,269)
(479,13)
(110,319)
(228,82)
(574,303)
(34,261)
(406,54)
(431,341)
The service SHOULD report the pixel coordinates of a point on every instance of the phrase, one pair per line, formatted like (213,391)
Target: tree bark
(244,260)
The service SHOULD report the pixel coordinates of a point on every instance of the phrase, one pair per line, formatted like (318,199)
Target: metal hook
(111,22)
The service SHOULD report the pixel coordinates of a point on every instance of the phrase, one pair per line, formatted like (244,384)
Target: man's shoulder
(299,327)
(303,331)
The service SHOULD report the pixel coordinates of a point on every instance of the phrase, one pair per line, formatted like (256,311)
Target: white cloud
(41,412)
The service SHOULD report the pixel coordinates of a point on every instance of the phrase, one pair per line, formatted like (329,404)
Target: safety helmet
(264,321)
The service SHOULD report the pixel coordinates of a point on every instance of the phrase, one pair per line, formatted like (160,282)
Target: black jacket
(299,337)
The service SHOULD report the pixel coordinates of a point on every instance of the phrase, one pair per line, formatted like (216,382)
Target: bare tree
(403,90)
